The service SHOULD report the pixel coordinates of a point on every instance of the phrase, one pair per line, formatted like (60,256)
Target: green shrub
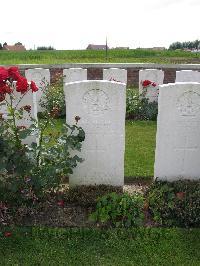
(54,98)
(38,170)
(119,210)
(138,108)
(175,203)
(27,173)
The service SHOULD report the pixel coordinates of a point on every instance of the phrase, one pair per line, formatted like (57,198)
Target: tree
(187,45)
(45,48)
(176,45)
(18,43)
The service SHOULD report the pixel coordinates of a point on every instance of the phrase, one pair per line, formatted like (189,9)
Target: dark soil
(71,210)
(54,216)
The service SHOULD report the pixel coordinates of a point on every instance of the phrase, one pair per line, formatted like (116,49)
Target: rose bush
(29,172)
(175,203)
(54,98)
(139,108)
(145,83)
(10,79)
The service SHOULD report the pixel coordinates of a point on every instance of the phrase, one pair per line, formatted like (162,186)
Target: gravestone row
(42,79)
(101,106)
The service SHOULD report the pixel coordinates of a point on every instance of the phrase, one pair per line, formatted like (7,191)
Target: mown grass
(139,150)
(92,56)
(137,246)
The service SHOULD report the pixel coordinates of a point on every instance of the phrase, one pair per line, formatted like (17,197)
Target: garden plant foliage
(28,172)
(139,108)
(175,203)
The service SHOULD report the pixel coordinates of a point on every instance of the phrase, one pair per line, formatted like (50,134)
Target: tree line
(185,45)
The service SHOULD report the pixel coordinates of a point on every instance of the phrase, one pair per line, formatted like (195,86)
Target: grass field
(139,151)
(89,56)
(137,246)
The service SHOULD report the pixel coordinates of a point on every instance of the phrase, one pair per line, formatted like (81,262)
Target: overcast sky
(73,24)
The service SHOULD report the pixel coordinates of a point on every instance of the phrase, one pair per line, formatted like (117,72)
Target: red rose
(180,195)
(7,234)
(13,73)
(3,74)
(146,83)
(22,85)
(61,203)
(34,88)
(8,90)
(2,97)
(153,84)
(3,88)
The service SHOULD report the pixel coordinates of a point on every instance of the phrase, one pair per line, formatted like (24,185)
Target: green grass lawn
(92,56)
(137,246)
(139,151)
(140,147)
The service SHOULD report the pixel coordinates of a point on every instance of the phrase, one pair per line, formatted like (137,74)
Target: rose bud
(180,195)
(7,234)
(27,108)
(54,112)
(77,118)
(61,203)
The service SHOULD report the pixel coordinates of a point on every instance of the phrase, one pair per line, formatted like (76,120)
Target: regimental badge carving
(96,101)
(188,103)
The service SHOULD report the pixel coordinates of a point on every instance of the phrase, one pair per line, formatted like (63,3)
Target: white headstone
(153,75)
(41,77)
(115,74)
(178,132)
(101,106)
(187,76)
(74,74)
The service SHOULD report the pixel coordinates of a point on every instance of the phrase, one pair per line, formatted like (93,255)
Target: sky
(73,24)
